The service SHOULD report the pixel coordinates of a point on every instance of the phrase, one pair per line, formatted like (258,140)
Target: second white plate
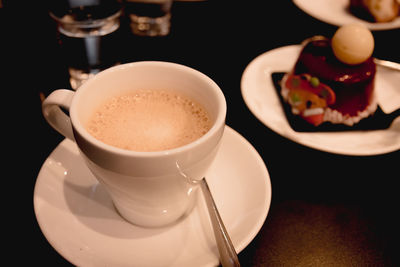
(336,12)
(261,98)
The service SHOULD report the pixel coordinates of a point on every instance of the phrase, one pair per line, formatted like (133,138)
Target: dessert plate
(261,98)
(79,220)
(336,12)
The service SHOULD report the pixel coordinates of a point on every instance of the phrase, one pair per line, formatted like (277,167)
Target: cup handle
(53,113)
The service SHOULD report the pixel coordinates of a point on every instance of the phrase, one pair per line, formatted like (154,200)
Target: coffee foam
(149,120)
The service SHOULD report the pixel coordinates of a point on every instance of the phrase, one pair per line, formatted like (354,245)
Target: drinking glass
(87,34)
(149,17)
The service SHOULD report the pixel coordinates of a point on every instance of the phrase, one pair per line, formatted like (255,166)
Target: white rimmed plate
(79,220)
(336,12)
(261,98)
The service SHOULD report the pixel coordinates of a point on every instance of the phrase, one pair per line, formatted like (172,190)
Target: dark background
(327,209)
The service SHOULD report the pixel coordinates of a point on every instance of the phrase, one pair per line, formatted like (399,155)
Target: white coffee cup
(148,188)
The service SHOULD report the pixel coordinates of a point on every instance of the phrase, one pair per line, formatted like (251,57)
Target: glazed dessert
(332,80)
(375,10)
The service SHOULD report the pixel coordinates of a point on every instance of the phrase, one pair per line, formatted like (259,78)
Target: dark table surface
(327,209)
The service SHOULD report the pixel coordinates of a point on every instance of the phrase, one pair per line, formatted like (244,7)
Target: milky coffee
(149,120)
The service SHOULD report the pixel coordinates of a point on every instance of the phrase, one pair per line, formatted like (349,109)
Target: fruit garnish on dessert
(308,97)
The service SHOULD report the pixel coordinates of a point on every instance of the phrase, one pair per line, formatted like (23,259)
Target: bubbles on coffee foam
(149,120)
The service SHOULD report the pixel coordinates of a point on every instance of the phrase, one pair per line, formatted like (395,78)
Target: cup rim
(218,123)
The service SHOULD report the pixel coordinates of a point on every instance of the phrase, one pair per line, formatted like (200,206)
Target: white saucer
(336,12)
(261,98)
(79,220)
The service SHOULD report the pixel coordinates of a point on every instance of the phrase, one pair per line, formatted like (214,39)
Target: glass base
(148,26)
(78,77)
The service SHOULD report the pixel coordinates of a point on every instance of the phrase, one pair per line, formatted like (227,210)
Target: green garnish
(314,81)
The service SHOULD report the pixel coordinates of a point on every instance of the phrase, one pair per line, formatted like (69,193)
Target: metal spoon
(227,253)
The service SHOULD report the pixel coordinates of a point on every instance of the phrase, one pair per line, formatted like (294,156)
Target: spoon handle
(228,256)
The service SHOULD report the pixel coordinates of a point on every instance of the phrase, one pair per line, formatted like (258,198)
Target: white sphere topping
(353,44)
